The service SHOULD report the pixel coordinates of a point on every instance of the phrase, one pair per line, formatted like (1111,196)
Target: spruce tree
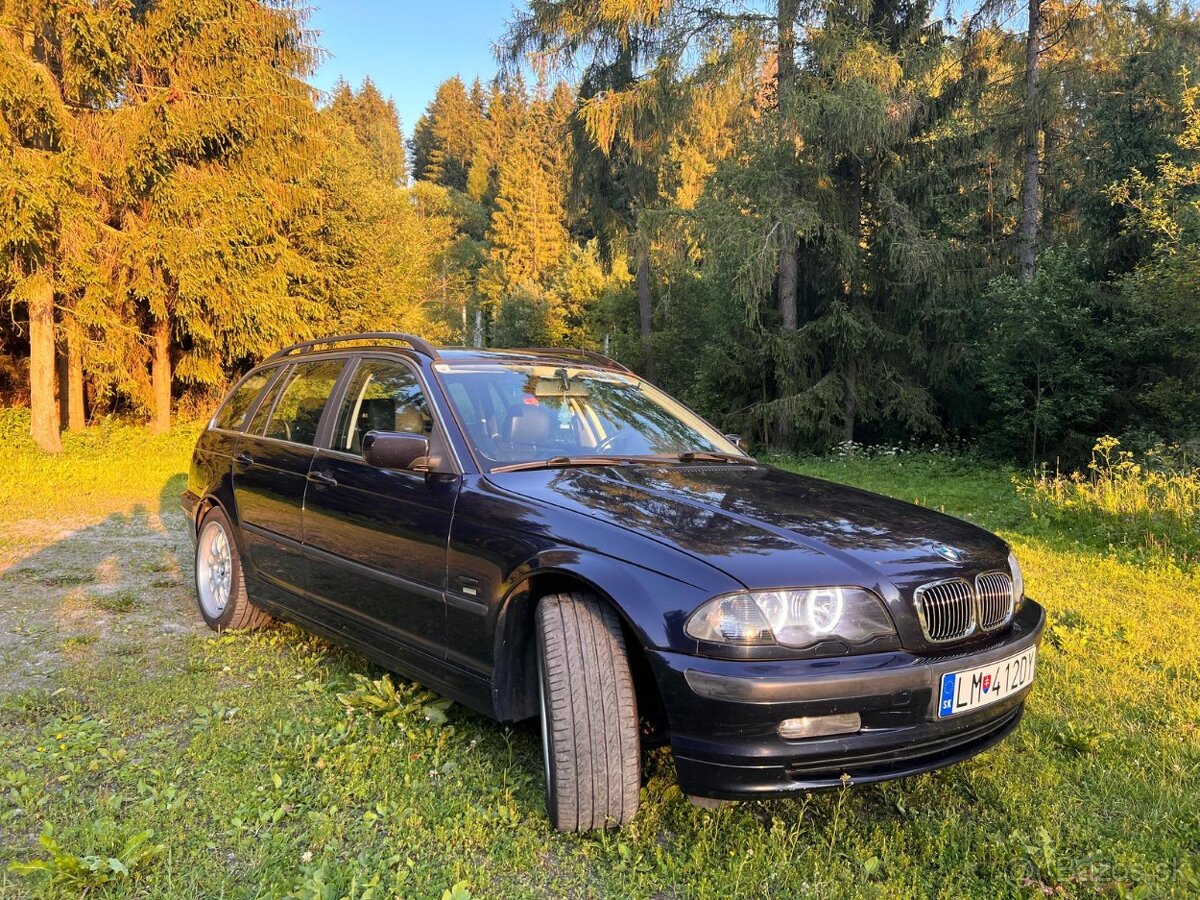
(446,136)
(60,69)
(376,126)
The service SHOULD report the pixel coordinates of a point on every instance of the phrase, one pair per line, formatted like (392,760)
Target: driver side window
(383,395)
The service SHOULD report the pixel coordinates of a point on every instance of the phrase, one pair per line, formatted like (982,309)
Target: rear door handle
(322,479)
(244,459)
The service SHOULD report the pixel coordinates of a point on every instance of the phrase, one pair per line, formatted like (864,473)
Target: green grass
(265,764)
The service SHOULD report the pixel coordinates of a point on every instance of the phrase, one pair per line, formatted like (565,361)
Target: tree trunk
(1049,146)
(788,279)
(787,315)
(785,91)
(645,310)
(1030,205)
(850,370)
(71,381)
(785,88)
(43,407)
(160,376)
(850,405)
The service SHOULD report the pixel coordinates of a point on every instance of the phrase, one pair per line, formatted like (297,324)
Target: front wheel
(220,585)
(588,714)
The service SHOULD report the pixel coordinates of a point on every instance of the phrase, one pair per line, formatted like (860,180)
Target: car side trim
(416,587)
(270,535)
(467,604)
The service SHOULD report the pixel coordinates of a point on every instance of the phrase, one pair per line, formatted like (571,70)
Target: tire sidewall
(221,622)
(549,767)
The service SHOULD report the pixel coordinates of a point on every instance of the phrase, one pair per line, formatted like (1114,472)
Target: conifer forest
(878,221)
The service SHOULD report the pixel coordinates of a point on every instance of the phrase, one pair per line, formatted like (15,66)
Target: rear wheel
(220,585)
(588,714)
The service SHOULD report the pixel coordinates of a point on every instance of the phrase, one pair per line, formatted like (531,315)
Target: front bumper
(724,716)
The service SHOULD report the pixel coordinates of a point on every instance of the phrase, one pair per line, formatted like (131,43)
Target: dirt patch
(93,586)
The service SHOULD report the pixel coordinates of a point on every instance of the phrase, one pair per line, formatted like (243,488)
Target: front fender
(653,607)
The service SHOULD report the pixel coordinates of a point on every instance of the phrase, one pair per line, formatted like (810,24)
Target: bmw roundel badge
(948,553)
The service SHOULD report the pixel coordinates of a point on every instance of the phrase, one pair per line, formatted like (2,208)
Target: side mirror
(395,449)
(739,441)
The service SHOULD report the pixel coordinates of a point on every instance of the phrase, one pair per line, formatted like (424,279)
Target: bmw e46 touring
(544,534)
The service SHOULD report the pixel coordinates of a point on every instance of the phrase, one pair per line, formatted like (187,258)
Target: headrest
(531,425)
(308,415)
(410,419)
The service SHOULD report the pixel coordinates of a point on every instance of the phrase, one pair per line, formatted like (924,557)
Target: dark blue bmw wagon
(542,533)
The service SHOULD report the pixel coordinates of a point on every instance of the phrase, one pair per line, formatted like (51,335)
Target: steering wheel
(608,442)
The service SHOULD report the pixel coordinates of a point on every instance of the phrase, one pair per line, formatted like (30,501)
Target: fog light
(819,726)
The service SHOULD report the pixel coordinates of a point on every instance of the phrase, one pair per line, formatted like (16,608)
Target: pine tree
(634,57)
(203,181)
(59,67)
(446,136)
(376,126)
(528,233)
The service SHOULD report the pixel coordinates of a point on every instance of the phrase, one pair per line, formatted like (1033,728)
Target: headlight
(793,618)
(1018,582)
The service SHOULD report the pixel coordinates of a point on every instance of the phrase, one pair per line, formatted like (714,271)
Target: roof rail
(418,344)
(586,354)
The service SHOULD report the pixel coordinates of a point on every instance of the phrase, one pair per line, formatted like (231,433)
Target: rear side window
(233,412)
(303,397)
(267,404)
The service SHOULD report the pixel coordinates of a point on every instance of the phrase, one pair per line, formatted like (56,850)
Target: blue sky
(408,47)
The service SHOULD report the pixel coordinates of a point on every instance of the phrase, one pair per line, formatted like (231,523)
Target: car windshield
(515,413)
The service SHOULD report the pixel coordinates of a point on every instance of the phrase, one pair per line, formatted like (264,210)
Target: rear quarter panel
(211,467)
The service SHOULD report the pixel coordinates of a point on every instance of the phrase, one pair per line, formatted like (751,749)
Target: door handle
(244,459)
(322,479)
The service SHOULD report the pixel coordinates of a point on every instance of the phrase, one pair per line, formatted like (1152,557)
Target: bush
(15,424)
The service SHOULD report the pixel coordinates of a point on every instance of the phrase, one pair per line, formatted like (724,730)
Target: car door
(270,470)
(375,539)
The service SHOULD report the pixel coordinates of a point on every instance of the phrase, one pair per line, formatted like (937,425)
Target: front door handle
(322,479)
(244,459)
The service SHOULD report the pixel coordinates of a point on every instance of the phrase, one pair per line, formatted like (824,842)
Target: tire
(589,714)
(220,585)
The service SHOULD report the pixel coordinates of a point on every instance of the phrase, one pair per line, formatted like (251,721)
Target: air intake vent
(946,610)
(994,596)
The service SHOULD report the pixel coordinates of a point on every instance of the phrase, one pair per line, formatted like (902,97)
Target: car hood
(769,528)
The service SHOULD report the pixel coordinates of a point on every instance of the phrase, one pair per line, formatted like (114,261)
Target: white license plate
(974,688)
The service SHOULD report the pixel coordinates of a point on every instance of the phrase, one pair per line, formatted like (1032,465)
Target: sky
(408,47)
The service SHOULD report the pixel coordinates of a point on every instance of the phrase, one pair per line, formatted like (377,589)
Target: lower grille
(994,596)
(946,610)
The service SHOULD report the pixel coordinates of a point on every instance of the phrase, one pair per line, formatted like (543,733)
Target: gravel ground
(83,587)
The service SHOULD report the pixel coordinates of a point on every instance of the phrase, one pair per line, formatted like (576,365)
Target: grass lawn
(164,761)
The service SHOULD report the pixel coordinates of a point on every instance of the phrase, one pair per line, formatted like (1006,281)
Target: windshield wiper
(564,462)
(712,456)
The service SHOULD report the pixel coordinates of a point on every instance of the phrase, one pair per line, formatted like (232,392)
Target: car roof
(422,348)
(565,356)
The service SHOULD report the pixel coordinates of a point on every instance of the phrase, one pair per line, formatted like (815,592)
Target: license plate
(975,688)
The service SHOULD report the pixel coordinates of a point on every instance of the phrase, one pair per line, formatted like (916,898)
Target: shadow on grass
(108,584)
